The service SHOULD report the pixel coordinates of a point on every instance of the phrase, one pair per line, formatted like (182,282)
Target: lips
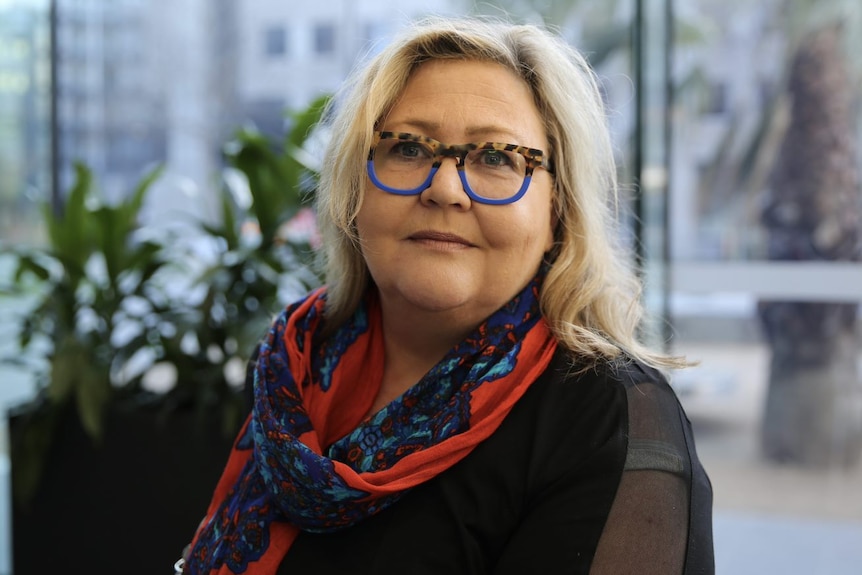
(441,237)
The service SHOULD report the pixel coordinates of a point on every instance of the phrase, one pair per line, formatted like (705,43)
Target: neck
(413,343)
(424,335)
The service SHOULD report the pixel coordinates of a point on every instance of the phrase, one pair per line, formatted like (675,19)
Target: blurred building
(288,55)
(24,112)
(109,113)
(143,82)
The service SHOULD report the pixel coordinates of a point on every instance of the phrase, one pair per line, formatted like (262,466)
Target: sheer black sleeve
(661,520)
(659,517)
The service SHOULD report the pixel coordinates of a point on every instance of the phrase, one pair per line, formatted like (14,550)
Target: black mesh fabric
(590,473)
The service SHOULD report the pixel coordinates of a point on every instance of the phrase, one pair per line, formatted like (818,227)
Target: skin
(442,262)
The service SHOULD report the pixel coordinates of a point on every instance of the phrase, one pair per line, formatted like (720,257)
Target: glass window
(765,279)
(716,99)
(324,39)
(275,43)
(24,118)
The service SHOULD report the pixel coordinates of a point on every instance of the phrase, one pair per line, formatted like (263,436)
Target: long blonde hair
(591,296)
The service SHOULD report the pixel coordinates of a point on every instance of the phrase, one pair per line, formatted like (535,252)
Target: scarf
(308,458)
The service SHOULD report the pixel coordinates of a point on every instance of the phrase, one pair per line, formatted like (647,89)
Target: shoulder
(572,419)
(658,432)
(623,372)
(604,385)
(623,408)
(623,381)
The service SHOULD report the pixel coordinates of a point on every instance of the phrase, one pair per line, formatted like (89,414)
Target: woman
(467,394)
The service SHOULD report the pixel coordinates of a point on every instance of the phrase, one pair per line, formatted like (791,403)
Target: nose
(447,187)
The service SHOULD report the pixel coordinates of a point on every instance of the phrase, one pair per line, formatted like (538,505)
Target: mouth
(441,239)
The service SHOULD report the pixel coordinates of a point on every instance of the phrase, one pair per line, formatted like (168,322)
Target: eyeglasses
(491,173)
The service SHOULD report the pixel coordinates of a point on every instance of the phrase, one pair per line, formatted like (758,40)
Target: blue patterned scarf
(309,459)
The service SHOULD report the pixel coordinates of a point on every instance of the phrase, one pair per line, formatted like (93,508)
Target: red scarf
(309,459)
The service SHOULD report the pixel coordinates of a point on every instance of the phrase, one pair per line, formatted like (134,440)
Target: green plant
(259,265)
(95,307)
(109,303)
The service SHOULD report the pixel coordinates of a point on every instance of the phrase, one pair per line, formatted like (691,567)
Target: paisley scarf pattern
(308,458)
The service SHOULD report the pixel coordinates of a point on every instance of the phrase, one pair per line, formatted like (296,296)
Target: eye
(410,151)
(493,160)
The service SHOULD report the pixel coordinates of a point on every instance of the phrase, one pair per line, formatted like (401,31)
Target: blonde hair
(590,296)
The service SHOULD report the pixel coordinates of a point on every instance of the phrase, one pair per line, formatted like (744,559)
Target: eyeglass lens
(490,172)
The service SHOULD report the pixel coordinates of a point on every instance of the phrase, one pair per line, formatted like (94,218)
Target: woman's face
(440,251)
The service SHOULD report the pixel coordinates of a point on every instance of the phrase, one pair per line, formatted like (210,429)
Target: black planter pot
(128,505)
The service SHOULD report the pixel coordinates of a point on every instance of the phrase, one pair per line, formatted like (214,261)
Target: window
(275,41)
(717,99)
(324,39)
(776,336)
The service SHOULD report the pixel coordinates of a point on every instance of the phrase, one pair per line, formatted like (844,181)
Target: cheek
(359,225)
(371,217)
(524,236)
(540,224)
(536,217)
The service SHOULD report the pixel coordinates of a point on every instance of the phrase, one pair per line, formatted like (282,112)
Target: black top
(592,471)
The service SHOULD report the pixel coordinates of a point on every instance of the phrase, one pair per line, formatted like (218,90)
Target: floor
(768,518)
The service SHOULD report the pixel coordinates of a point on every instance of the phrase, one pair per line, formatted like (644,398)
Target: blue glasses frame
(534,159)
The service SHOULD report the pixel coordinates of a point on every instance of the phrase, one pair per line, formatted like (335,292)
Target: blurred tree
(813,412)
(601,29)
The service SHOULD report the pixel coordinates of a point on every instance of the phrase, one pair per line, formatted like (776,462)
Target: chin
(440,297)
(437,300)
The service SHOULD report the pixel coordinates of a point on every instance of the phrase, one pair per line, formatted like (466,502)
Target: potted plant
(260,258)
(92,313)
(84,452)
(103,468)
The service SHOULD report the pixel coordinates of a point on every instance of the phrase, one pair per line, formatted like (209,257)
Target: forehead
(467,100)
